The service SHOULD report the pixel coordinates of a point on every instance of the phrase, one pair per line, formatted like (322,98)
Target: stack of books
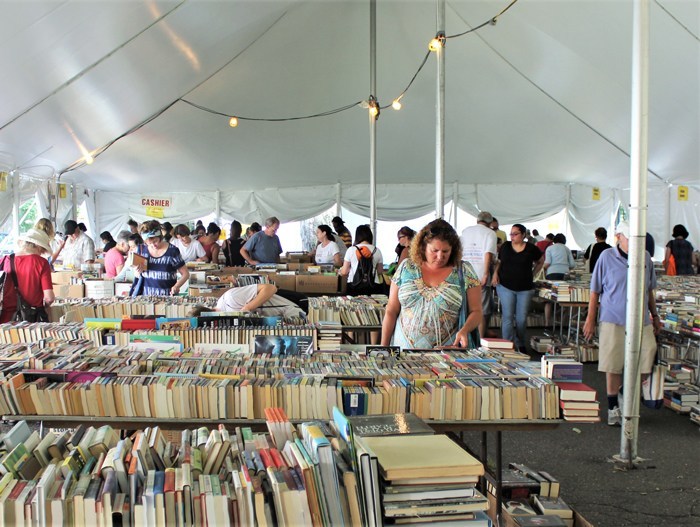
(578,402)
(427,478)
(562,369)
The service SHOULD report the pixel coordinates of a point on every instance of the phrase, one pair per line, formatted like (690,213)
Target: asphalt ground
(662,489)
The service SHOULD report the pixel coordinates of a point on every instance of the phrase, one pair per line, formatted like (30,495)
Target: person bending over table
(426,294)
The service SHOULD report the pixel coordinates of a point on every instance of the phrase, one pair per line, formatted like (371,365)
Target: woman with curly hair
(427,293)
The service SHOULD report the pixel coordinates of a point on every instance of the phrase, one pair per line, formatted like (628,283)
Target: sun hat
(37,237)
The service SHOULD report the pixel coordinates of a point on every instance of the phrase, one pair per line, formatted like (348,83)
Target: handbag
(670,265)
(655,398)
(25,312)
(474,338)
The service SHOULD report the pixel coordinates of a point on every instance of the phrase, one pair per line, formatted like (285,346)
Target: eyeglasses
(517,233)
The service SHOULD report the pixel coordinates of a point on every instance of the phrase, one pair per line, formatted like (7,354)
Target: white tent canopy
(538,107)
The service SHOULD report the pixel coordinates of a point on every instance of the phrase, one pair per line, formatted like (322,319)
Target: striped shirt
(161,274)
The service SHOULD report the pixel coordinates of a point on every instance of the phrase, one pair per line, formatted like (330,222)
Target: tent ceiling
(542,96)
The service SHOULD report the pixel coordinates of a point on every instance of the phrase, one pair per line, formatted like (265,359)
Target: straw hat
(37,237)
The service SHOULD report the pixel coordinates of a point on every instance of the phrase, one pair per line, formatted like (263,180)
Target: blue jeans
(514,305)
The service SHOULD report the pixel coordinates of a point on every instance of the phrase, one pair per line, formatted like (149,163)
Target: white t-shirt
(477,240)
(189,252)
(324,255)
(235,298)
(351,256)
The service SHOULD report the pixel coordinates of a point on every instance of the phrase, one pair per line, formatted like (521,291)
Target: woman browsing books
(428,291)
(158,277)
(327,250)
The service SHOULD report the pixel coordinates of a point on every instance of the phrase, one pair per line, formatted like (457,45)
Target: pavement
(662,489)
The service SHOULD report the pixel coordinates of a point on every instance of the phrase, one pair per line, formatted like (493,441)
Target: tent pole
(338,199)
(455,198)
(638,217)
(74,203)
(440,117)
(217,201)
(15,204)
(372,118)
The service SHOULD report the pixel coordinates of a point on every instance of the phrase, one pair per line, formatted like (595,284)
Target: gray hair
(123,236)
(272,220)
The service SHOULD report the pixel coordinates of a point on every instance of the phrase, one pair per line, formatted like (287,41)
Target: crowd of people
(440,287)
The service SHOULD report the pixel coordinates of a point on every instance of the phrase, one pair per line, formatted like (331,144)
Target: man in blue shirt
(264,246)
(609,285)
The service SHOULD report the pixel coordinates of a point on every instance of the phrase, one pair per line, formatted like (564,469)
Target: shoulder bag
(25,312)
(474,339)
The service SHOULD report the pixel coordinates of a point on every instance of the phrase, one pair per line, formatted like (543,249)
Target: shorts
(611,343)
(486,300)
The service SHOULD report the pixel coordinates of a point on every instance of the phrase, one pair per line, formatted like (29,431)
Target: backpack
(363,282)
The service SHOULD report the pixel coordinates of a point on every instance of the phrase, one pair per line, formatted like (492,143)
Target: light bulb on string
(396,104)
(437,43)
(373,107)
(233,122)
(89,159)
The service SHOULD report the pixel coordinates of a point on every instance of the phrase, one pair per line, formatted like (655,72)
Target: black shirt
(593,252)
(232,252)
(515,271)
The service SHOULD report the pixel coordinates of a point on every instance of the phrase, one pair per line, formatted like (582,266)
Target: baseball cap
(623,228)
(70,226)
(337,219)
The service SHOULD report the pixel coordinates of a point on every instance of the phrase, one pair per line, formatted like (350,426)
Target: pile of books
(578,402)
(562,369)
(422,477)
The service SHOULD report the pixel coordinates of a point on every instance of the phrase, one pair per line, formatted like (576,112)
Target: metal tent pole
(373,118)
(638,209)
(440,116)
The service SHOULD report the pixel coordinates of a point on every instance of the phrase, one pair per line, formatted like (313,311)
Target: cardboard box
(508,521)
(69,291)
(208,292)
(314,283)
(122,288)
(198,277)
(284,281)
(298,257)
(65,277)
(233,271)
(99,288)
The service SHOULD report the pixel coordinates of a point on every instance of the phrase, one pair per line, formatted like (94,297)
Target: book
(546,520)
(388,425)
(575,391)
(496,343)
(555,506)
(554,485)
(413,456)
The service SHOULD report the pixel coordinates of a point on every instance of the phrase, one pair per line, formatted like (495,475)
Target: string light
(373,105)
(374,110)
(437,43)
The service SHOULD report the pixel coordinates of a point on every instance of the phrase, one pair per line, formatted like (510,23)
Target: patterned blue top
(429,315)
(161,274)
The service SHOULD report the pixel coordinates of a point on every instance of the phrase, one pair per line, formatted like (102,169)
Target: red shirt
(542,246)
(33,278)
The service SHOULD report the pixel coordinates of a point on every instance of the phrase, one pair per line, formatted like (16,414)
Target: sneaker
(615,417)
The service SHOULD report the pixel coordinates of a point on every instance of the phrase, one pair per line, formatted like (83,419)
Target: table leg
(499,477)
(484,460)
